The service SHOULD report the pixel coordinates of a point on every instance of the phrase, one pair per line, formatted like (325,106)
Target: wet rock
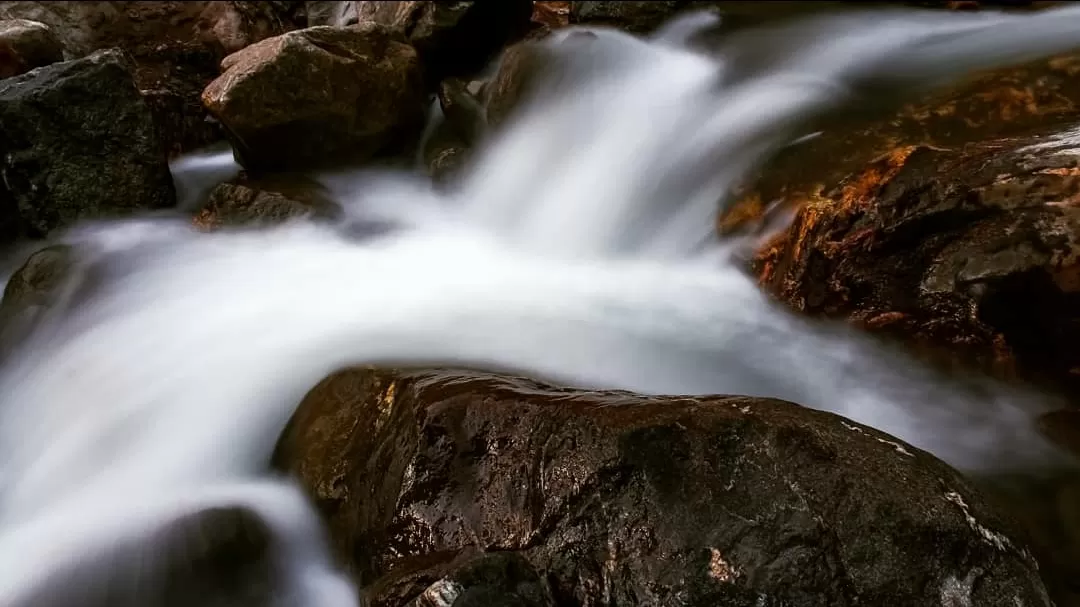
(77,141)
(245,204)
(1000,103)
(632,16)
(550,15)
(331,13)
(617,499)
(217,557)
(453,38)
(969,253)
(25,45)
(30,291)
(464,579)
(460,125)
(319,95)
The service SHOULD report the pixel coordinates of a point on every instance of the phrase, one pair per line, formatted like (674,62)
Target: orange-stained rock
(319,96)
(972,253)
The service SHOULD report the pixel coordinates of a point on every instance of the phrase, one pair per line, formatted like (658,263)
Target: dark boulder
(616,499)
(318,96)
(25,45)
(77,141)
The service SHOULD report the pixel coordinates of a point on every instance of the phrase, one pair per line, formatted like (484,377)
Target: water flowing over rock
(972,248)
(25,45)
(618,499)
(576,246)
(77,142)
(353,92)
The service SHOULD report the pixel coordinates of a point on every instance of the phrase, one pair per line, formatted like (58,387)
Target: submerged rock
(317,96)
(77,141)
(25,45)
(617,499)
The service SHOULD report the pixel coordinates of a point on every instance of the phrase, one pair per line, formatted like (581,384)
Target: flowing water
(577,248)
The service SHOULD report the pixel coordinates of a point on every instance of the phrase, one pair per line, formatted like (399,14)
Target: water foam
(577,248)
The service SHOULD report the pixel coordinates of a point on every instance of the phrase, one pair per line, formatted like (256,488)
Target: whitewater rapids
(577,248)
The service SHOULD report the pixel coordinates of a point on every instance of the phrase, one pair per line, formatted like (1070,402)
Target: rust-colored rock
(972,252)
(617,499)
(318,96)
(25,45)
(999,103)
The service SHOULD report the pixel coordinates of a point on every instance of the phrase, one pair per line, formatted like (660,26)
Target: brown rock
(25,45)
(176,46)
(319,95)
(232,204)
(971,252)
(616,499)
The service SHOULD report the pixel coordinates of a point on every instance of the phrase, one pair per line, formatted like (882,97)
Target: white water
(576,249)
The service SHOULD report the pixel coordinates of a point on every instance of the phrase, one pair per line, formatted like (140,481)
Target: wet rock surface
(77,141)
(618,499)
(218,557)
(26,44)
(353,93)
(968,250)
(254,203)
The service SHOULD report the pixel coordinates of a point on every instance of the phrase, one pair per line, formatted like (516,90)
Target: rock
(30,291)
(464,579)
(77,141)
(25,45)
(331,13)
(217,557)
(244,204)
(632,16)
(969,253)
(453,38)
(617,499)
(551,15)
(458,128)
(319,95)
(176,47)
(999,103)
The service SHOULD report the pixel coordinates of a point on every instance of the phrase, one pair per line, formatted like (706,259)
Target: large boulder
(26,44)
(617,499)
(77,141)
(970,253)
(319,95)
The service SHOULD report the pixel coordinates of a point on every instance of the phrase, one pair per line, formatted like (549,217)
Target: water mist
(577,248)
